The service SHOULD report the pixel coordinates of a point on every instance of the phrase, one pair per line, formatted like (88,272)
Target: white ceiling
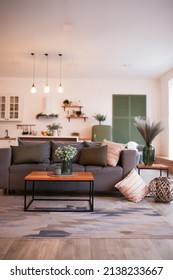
(97,38)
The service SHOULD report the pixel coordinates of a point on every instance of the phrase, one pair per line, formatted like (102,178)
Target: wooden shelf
(72,106)
(76,117)
(45,116)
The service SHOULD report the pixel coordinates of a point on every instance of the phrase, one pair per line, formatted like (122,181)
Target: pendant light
(60,88)
(46,88)
(33,89)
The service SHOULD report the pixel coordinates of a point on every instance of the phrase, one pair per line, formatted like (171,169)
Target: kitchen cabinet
(10,108)
(7,142)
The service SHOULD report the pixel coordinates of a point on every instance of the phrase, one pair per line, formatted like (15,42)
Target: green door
(125,108)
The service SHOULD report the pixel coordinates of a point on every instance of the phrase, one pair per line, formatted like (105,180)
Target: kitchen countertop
(56,138)
(46,138)
(9,138)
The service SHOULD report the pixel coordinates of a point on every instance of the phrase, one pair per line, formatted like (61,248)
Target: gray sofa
(14,166)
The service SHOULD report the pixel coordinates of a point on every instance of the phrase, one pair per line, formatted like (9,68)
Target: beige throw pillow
(133,187)
(114,150)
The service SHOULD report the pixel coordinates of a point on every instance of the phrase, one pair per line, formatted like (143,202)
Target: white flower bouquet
(66,153)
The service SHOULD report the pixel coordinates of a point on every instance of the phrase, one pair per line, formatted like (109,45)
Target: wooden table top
(154,166)
(50,176)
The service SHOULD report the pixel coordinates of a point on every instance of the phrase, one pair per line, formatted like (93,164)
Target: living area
(91,73)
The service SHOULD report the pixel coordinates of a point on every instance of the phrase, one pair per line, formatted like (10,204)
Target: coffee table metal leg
(33,189)
(92,195)
(25,197)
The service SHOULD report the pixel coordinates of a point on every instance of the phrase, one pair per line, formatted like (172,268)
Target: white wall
(164,109)
(95,96)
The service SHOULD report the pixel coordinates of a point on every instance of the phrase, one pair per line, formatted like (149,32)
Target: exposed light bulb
(46,88)
(60,89)
(33,89)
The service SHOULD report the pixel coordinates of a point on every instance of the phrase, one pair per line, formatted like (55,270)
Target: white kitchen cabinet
(10,108)
(6,143)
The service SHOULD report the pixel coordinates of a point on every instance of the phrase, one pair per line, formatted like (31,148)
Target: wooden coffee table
(42,176)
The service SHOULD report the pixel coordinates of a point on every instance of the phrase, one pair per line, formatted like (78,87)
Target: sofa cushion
(44,146)
(114,150)
(26,154)
(55,145)
(94,156)
(133,187)
(90,144)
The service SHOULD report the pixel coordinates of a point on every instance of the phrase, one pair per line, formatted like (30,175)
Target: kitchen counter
(47,138)
(7,142)
(9,138)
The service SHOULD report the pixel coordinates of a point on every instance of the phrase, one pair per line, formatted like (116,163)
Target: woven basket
(161,189)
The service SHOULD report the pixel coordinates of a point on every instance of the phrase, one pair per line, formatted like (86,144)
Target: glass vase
(67,167)
(148,154)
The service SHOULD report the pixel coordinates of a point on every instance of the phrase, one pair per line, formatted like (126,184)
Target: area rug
(113,217)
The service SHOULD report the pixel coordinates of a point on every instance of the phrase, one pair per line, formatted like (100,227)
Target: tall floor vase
(148,154)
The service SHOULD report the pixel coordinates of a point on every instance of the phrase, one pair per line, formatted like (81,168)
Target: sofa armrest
(128,160)
(5,162)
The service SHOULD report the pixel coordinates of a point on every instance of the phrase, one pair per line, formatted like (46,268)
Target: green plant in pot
(148,130)
(54,128)
(78,113)
(66,102)
(100,118)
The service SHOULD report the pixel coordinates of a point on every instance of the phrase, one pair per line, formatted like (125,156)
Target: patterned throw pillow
(133,187)
(114,150)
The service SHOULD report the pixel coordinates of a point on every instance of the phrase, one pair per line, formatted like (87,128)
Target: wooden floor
(86,249)
(95,249)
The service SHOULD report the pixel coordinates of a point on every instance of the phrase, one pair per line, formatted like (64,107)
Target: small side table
(159,167)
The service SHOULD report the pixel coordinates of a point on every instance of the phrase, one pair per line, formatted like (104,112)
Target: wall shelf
(74,114)
(45,116)
(72,106)
(76,117)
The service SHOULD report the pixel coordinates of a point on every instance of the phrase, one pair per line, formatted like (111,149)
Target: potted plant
(42,115)
(148,130)
(99,117)
(66,102)
(54,128)
(78,113)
